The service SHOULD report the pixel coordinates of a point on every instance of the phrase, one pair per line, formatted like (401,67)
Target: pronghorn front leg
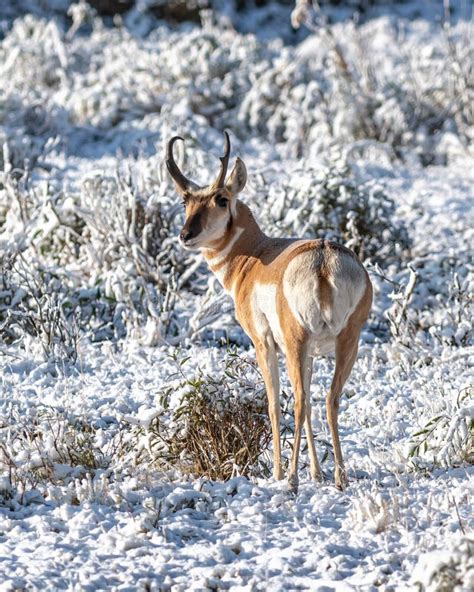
(268,362)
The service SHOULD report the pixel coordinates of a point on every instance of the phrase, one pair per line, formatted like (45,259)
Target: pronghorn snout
(191,229)
(186,235)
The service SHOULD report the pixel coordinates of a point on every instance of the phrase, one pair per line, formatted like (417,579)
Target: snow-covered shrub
(34,303)
(447,570)
(213,426)
(447,438)
(432,302)
(456,326)
(107,252)
(400,317)
(47,446)
(334,202)
(129,250)
(346,85)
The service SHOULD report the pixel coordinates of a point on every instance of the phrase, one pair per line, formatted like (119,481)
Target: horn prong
(220,180)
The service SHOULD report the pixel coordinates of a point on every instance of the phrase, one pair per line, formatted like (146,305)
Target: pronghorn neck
(240,242)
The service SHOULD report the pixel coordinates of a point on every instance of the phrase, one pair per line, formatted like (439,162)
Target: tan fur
(303,297)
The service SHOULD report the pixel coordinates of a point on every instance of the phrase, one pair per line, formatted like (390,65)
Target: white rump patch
(300,287)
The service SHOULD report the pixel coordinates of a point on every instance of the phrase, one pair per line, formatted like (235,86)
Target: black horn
(184,184)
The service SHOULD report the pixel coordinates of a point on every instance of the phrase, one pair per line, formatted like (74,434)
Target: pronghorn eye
(222,201)
(183,203)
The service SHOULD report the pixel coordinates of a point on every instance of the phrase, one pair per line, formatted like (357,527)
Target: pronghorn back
(321,281)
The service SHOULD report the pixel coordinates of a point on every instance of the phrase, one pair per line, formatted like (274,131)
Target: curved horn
(219,182)
(181,181)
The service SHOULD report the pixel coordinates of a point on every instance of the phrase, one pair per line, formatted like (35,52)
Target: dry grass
(220,427)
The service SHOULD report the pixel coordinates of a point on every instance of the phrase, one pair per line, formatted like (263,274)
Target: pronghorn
(302,297)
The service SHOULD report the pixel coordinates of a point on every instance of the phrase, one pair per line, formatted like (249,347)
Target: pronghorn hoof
(293,485)
(341,481)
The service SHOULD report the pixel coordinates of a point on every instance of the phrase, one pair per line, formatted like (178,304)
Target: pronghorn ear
(238,177)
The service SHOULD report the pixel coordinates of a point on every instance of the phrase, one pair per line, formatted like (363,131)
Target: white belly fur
(265,315)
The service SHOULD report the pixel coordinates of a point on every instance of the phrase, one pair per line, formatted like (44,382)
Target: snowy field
(115,343)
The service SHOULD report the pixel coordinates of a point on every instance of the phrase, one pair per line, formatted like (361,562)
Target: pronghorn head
(209,209)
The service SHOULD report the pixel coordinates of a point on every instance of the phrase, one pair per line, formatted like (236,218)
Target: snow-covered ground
(359,132)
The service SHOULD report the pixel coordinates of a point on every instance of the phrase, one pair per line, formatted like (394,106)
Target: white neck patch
(222,255)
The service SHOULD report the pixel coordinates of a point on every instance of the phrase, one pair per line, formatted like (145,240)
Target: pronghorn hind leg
(315,469)
(346,353)
(297,362)
(268,362)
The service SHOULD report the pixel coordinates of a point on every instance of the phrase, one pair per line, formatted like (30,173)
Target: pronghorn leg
(315,469)
(297,362)
(268,362)
(346,353)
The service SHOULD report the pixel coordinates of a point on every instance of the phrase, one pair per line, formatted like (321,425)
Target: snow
(86,500)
